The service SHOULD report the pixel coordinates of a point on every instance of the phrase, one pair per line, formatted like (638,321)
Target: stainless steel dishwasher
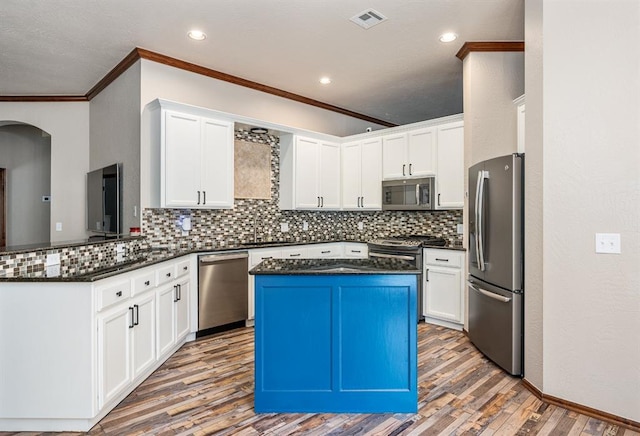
(222,289)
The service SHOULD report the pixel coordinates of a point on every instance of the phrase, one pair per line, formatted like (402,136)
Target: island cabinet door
(336,343)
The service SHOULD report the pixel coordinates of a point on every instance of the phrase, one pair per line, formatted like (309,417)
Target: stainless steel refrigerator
(496,260)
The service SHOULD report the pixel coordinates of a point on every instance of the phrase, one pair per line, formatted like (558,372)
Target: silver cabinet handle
(391,256)
(321,201)
(318,201)
(204,197)
(218,257)
(410,170)
(403,166)
(442,260)
(294,255)
(438,199)
(131,323)
(198,197)
(361,201)
(490,294)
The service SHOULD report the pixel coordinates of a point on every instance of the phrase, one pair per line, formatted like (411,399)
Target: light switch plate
(58,227)
(608,243)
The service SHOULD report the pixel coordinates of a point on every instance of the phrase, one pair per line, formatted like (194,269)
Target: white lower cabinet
(443,287)
(172,315)
(114,353)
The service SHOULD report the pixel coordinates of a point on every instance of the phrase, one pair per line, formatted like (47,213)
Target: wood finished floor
(207,388)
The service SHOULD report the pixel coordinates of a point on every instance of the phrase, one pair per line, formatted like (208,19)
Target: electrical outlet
(460,229)
(53,259)
(120,252)
(360,225)
(608,243)
(305,226)
(58,227)
(284,227)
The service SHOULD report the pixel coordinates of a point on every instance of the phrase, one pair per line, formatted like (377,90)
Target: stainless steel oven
(408,194)
(407,248)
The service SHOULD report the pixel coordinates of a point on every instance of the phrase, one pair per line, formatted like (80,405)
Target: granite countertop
(161,254)
(334,266)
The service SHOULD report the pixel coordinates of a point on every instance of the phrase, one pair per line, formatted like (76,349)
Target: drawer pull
(266,258)
(119,293)
(147,283)
(325,251)
(184,268)
(294,255)
(356,251)
(442,260)
(131,324)
(168,274)
(175,293)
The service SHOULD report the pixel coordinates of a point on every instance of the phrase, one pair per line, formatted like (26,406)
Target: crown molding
(43,98)
(140,53)
(468,47)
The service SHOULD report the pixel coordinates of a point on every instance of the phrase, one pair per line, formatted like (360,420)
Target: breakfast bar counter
(336,336)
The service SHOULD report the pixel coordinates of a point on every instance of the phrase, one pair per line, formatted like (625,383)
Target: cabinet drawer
(449,258)
(257,256)
(165,274)
(183,268)
(113,294)
(325,251)
(144,282)
(294,253)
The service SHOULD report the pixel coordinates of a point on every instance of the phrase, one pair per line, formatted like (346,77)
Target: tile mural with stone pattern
(260,220)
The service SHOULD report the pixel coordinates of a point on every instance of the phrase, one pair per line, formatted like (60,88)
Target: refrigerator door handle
(490,294)
(482,175)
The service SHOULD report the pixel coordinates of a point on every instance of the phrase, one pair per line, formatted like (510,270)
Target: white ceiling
(397,71)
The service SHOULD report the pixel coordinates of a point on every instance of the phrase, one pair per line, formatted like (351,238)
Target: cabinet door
(114,362)
(166,315)
(329,175)
(306,173)
(422,152)
(394,156)
(216,164)
(443,293)
(351,175)
(371,177)
(450,179)
(181,163)
(143,332)
(182,310)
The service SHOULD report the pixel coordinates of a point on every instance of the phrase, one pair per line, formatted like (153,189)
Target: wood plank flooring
(207,388)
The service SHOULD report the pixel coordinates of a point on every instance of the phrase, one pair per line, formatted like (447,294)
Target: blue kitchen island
(336,336)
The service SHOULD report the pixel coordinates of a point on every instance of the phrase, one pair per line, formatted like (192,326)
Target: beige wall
(68,125)
(115,137)
(534,187)
(591,169)
(491,81)
(25,153)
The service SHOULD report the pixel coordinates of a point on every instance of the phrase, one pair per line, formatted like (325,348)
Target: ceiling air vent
(368,18)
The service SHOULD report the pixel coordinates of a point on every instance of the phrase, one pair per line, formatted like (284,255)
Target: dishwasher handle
(220,257)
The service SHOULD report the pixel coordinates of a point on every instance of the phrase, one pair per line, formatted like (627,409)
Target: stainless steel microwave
(408,194)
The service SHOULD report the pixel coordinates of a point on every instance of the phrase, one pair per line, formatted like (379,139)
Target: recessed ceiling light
(448,37)
(325,80)
(198,35)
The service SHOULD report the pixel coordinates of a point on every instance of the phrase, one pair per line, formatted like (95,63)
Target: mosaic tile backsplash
(260,220)
(250,220)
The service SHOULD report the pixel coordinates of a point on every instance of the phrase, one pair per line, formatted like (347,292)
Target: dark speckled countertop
(334,266)
(151,257)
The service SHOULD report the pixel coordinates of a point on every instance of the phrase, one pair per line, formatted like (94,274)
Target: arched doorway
(25,181)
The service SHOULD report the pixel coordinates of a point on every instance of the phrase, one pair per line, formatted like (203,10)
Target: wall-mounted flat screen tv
(104,200)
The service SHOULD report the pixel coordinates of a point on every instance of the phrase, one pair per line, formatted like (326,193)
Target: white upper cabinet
(409,154)
(450,176)
(195,158)
(362,174)
(309,173)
